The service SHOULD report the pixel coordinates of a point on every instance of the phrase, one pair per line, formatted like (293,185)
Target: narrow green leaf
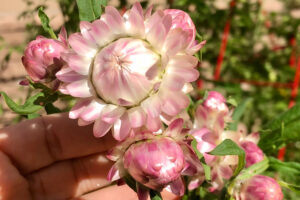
(89,10)
(255,169)
(29,107)
(206,168)
(238,113)
(228,147)
(286,168)
(46,22)
(287,117)
(292,187)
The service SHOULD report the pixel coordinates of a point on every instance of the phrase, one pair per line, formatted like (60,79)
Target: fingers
(12,185)
(37,143)
(120,192)
(71,178)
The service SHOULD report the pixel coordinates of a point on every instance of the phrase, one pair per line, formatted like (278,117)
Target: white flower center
(125,71)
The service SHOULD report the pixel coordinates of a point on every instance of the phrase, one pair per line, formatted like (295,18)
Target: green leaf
(282,129)
(46,22)
(286,168)
(29,107)
(33,115)
(238,113)
(255,169)
(206,168)
(89,10)
(228,147)
(154,195)
(292,187)
(232,101)
(287,117)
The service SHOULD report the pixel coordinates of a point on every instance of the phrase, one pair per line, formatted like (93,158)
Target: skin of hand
(52,158)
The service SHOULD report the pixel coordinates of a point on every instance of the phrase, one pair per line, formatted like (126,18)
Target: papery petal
(78,108)
(142,192)
(192,50)
(92,111)
(81,122)
(174,128)
(101,128)
(153,124)
(114,173)
(174,103)
(194,184)
(78,63)
(135,24)
(137,117)
(85,28)
(101,32)
(111,113)
(82,46)
(113,19)
(121,128)
(79,89)
(177,187)
(157,35)
(175,42)
(68,75)
(152,106)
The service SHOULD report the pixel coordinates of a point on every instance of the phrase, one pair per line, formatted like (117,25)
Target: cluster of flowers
(131,75)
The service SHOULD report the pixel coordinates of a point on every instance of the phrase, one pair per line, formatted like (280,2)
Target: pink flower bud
(181,19)
(261,188)
(212,113)
(155,163)
(215,101)
(253,153)
(42,59)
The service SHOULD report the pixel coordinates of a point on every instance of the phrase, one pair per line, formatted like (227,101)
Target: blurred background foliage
(260,60)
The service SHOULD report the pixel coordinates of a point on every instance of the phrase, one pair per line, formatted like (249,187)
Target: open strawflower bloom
(132,75)
(129,70)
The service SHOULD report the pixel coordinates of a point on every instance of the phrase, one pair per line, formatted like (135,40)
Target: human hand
(51,158)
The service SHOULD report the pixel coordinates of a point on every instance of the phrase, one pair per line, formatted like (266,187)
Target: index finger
(34,144)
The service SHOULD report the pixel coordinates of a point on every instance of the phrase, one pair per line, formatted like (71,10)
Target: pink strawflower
(129,70)
(253,153)
(213,113)
(156,161)
(42,58)
(260,188)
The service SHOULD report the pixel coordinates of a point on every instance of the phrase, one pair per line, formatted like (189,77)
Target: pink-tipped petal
(174,128)
(175,42)
(77,62)
(82,46)
(78,108)
(177,187)
(68,75)
(142,192)
(135,24)
(113,173)
(174,103)
(111,113)
(153,124)
(92,111)
(101,128)
(196,48)
(79,89)
(121,128)
(137,117)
